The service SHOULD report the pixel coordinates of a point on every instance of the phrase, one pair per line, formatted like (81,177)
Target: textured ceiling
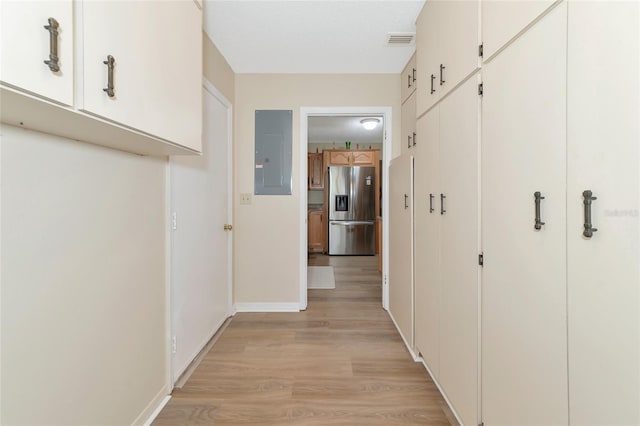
(339,129)
(296,36)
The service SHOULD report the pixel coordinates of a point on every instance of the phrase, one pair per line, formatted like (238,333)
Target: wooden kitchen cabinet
(315,171)
(316,231)
(347,157)
(26,45)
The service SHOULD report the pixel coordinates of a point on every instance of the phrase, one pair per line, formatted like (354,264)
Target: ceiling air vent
(400,39)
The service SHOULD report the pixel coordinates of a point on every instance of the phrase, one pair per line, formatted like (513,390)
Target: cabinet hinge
(480,89)
(481,259)
(481,50)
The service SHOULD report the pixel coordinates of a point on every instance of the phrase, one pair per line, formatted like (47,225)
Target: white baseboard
(415,356)
(266,307)
(444,395)
(154,407)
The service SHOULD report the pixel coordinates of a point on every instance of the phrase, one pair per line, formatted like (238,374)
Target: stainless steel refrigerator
(352,210)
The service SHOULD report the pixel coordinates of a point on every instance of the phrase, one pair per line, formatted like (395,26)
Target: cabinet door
(428,53)
(460,221)
(408,123)
(524,318)
(25,45)
(316,171)
(401,245)
(427,241)
(603,156)
(339,158)
(158,66)
(408,79)
(503,20)
(315,231)
(458,50)
(363,158)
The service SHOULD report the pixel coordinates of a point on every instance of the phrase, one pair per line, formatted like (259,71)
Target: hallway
(339,362)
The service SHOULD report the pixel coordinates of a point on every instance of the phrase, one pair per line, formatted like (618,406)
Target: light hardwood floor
(341,362)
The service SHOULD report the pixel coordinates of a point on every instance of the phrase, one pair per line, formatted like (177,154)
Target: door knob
(228,227)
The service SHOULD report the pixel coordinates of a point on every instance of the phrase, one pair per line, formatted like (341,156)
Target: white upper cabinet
(26,44)
(409,79)
(157,67)
(447,46)
(504,20)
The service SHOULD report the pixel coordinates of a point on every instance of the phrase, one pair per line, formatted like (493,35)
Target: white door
(401,244)
(200,244)
(524,322)
(427,240)
(604,276)
(459,289)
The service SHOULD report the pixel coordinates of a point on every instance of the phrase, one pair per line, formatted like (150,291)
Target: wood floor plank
(341,362)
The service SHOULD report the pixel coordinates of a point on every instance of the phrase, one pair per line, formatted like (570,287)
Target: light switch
(245,198)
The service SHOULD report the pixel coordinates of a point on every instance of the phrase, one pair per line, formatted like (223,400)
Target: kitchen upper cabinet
(603,131)
(409,135)
(401,244)
(315,171)
(504,20)
(316,231)
(137,72)
(447,48)
(351,158)
(408,79)
(363,158)
(524,296)
(26,45)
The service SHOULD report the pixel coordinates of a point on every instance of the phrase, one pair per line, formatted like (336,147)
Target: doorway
(336,131)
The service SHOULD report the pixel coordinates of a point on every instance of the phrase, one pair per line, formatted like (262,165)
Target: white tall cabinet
(603,154)
(524,315)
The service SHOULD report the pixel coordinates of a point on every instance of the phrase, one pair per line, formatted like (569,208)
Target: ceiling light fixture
(369,123)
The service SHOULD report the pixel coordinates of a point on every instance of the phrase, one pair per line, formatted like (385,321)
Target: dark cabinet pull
(588,226)
(433,77)
(538,197)
(442,198)
(413,75)
(408,141)
(431,197)
(409,80)
(442,67)
(406,198)
(110,63)
(52,62)
(414,138)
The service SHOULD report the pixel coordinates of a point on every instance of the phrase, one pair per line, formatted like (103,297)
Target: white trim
(266,307)
(444,395)
(413,354)
(305,112)
(152,409)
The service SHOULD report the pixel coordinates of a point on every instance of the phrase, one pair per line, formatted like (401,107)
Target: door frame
(209,87)
(305,113)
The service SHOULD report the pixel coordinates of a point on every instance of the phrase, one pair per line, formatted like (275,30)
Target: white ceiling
(343,128)
(307,36)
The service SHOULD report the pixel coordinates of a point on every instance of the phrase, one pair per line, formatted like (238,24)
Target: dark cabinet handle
(414,138)
(413,75)
(53,45)
(433,77)
(406,198)
(442,198)
(588,226)
(110,63)
(442,67)
(431,197)
(409,80)
(409,141)
(538,197)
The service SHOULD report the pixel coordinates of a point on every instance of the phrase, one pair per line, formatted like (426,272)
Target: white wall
(82,282)
(266,233)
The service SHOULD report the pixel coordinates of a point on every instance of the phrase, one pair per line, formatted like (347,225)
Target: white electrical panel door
(603,157)
(427,222)
(401,245)
(25,45)
(156,72)
(524,293)
(459,256)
